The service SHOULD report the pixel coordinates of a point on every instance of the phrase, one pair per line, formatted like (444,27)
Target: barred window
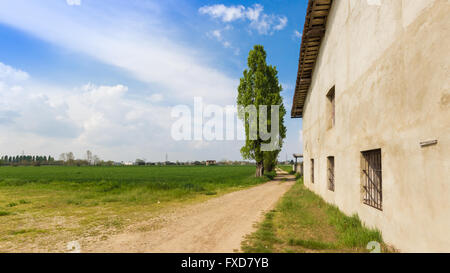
(330,169)
(372,178)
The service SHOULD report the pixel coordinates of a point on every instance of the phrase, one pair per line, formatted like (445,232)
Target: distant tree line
(65,159)
(68,159)
(26,160)
(192,163)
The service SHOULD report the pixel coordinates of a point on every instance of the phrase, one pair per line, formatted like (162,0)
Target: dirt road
(217,225)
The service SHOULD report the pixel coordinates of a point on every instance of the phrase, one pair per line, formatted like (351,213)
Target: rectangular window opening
(330,169)
(312,171)
(331,107)
(372,178)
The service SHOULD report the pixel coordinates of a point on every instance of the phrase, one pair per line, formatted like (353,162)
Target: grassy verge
(43,208)
(304,222)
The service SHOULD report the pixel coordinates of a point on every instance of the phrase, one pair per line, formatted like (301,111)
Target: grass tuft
(4,213)
(264,239)
(12,204)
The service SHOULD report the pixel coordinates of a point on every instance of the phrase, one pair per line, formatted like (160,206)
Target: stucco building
(373,90)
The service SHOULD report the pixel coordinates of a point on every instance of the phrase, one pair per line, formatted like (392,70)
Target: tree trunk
(259,169)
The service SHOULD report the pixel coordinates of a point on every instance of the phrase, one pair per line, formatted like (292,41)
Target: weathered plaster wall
(390,66)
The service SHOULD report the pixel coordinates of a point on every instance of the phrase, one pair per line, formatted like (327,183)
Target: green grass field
(286,168)
(304,222)
(52,204)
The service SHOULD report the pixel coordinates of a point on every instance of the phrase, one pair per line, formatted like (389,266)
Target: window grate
(372,179)
(331,173)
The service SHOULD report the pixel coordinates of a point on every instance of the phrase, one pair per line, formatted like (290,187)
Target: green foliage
(259,86)
(26,160)
(270,160)
(270,175)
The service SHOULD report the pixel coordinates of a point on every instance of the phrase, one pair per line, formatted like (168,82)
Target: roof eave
(313,32)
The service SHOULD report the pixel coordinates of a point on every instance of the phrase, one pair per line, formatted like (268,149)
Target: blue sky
(103,75)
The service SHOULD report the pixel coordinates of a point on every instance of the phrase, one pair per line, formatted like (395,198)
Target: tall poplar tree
(259,86)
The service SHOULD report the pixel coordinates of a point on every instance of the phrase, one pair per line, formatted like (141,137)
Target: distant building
(210,162)
(298,165)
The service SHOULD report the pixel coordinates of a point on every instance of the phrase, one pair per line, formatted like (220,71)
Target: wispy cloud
(282,23)
(73,2)
(178,71)
(296,35)
(263,23)
(218,35)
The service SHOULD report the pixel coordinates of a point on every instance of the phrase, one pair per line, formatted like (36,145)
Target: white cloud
(226,14)
(52,120)
(152,57)
(227,44)
(253,13)
(263,23)
(282,23)
(110,118)
(217,34)
(113,121)
(7,73)
(156,98)
(296,35)
(42,119)
(73,2)
(103,119)
(28,111)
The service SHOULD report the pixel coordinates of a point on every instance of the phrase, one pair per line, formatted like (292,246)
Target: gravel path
(217,225)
